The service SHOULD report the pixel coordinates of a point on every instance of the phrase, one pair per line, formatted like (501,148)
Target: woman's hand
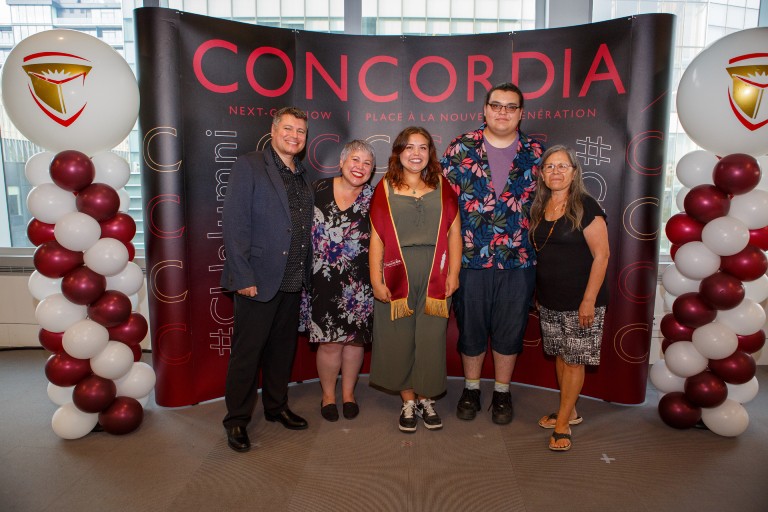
(451,284)
(586,314)
(381,292)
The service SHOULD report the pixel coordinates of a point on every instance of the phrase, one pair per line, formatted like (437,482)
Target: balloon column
(717,285)
(76,97)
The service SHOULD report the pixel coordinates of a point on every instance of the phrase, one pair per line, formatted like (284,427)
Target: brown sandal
(556,436)
(544,422)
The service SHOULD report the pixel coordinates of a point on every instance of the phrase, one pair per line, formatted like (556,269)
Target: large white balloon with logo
(720,99)
(68,90)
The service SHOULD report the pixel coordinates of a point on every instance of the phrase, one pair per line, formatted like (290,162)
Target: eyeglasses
(561,168)
(498,107)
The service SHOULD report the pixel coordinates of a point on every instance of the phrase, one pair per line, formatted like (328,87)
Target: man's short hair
(293,111)
(506,86)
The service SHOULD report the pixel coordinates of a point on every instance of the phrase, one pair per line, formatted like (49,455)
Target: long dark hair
(574,208)
(430,174)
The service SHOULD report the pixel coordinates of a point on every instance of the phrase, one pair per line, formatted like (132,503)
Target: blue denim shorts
(493,303)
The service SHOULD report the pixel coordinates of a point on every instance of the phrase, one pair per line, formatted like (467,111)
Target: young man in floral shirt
(493,170)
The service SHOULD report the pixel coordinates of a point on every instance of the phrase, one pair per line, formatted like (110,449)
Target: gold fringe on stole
(399,309)
(436,307)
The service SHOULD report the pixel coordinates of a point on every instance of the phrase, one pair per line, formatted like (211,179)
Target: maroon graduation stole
(395,273)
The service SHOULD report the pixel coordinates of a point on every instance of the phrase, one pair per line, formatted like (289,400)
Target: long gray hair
(574,209)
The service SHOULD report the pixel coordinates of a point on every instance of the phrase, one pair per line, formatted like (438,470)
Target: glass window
(414,27)
(267,9)
(462,8)
(219,9)
(391,8)
(292,8)
(243,9)
(486,9)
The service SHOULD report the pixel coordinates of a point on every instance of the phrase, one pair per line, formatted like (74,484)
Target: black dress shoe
(350,410)
(329,412)
(237,439)
(288,419)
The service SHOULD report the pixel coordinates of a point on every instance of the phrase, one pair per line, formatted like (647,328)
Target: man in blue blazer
(267,216)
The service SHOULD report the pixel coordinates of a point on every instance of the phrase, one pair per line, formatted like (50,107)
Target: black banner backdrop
(209,88)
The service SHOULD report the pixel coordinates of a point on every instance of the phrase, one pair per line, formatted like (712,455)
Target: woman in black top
(571,240)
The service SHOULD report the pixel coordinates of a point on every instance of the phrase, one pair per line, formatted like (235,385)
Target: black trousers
(264,338)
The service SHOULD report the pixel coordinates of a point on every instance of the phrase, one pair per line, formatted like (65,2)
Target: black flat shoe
(329,411)
(289,420)
(350,410)
(237,439)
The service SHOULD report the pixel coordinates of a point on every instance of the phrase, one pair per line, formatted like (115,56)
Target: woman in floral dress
(341,300)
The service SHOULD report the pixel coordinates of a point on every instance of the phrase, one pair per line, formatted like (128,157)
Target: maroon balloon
(65,370)
(759,238)
(123,416)
(72,170)
(673,250)
(736,174)
(136,349)
(111,309)
(706,202)
(748,264)
(692,311)
(737,368)
(98,200)
(751,343)
(83,286)
(40,232)
(705,389)
(53,260)
(131,251)
(130,332)
(665,343)
(121,227)
(721,290)
(677,411)
(674,330)
(94,394)
(51,341)
(682,228)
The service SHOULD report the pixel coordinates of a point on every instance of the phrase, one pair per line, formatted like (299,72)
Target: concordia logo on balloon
(745,94)
(56,86)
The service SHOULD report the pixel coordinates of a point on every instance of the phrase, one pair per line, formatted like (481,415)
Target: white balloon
(125,200)
(715,341)
(746,318)
(69,422)
(729,419)
(92,111)
(676,283)
(695,261)
(56,314)
(85,339)
(751,208)
(680,198)
(138,382)
(113,362)
(743,393)
(41,286)
(111,169)
(664,380)
(684,360)
(725,236)
(756,290)
(38,168)
(77,231)
(60,395)
(107,257)
(711,89)
(669,300)
(143,401)
(129,280)
(695,168)
(134,301)
(48,203)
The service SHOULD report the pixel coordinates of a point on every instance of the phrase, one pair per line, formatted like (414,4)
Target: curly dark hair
(432,171)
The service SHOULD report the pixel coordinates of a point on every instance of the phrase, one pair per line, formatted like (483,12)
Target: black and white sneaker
(408,417)
(426,411)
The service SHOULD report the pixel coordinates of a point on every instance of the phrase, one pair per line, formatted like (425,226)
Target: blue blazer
(257,226)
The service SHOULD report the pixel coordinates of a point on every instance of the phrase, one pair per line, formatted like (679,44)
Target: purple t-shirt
(500,162)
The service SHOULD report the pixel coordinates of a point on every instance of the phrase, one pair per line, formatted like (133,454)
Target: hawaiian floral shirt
(494,231)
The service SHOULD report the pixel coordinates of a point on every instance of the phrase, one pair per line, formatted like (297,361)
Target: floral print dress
(340,303)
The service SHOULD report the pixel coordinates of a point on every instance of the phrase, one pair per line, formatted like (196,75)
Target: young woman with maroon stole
(415,255)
